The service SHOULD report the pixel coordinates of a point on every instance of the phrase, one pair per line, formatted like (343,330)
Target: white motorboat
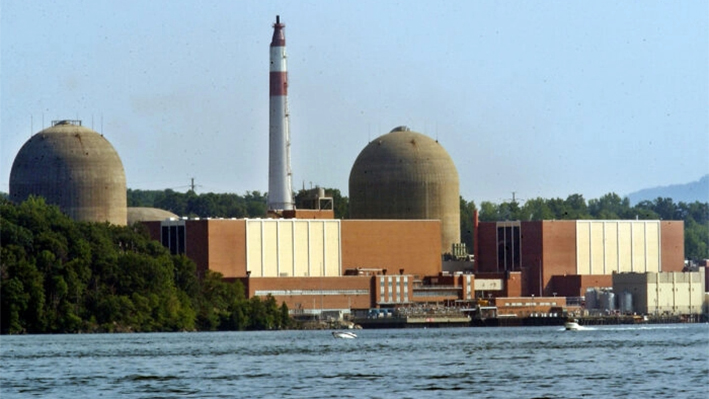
(572,325)
(344,334)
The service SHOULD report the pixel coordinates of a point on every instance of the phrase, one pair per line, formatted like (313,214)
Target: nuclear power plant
(407,175)
(75,168)
(399,249)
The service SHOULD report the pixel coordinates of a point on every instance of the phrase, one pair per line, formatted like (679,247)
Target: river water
(653,361)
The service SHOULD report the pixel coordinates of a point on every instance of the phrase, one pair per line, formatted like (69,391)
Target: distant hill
(689,192)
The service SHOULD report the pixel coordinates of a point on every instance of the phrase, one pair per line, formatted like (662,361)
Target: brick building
(313,265)
(566,257)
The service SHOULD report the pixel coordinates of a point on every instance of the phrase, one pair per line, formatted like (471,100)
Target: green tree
(609,207)
(645,210)
(576,207)
(285,319)
(256,204)
(58,276)
(142,198)
(489,212)
(467,230)
(259,317)
(537,209)
(696,241)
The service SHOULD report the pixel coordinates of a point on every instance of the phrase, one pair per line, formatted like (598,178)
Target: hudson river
(652,361)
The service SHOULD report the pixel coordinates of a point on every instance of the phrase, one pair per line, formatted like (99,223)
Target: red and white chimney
(280,192)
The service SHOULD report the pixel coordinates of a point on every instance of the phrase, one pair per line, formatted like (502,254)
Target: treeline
(253,204)
(609,207)
(61,276)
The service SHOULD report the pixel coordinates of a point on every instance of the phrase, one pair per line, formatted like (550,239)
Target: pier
(413,318)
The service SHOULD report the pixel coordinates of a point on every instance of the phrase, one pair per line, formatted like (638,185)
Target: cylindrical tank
(607,301)
(407,175)
(591,299)
(75,168)
(625,302)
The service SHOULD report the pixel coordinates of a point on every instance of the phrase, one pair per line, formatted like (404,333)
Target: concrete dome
(407,175)
(75,168)
(144,214)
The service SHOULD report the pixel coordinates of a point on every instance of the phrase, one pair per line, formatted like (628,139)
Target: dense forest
(610,206)
(61,276)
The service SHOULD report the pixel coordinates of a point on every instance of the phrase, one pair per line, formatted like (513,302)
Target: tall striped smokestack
(280,192)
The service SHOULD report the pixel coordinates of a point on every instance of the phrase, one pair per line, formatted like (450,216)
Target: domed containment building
(75,168)
(145,214)
(407,175)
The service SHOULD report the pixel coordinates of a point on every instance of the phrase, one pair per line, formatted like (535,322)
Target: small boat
(344,334)
(572,325)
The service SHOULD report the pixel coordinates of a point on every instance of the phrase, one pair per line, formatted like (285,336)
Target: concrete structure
(665,293)
(519,307)
(75,168)
(303,248)
(395,246)
(467,287)
(321,265)
(407,175)
(324,265)
(314,295)
(568,256)
(280,191)
(293,247)
(144,214)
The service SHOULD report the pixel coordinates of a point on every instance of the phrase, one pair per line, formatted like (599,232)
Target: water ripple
(448,363)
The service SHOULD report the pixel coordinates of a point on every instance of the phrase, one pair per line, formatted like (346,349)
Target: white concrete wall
(607,246)
(293,247)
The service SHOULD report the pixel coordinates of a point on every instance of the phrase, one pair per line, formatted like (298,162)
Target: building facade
(313,265)
(568,256)
(665,293)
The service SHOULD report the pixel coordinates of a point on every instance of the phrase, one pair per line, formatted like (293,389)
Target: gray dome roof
(145,214)
(75,168)
(407,175)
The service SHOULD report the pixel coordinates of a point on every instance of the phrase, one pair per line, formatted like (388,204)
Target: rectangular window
(381,288)
(173,237)
(165,236)
(173,240)
(180,239)
(508,246)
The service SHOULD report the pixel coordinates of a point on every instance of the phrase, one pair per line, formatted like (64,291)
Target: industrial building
(323,265)
(566,257)
(299,260)
(145,214)
(407,175)
(75,168)
(660,293)
(399,248)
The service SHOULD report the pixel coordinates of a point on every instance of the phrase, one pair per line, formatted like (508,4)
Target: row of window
(530,304)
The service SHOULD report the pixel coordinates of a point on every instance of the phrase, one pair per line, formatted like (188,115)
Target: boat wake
(344,335)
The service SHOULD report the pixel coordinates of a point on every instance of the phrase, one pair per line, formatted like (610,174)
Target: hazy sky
(541,98)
